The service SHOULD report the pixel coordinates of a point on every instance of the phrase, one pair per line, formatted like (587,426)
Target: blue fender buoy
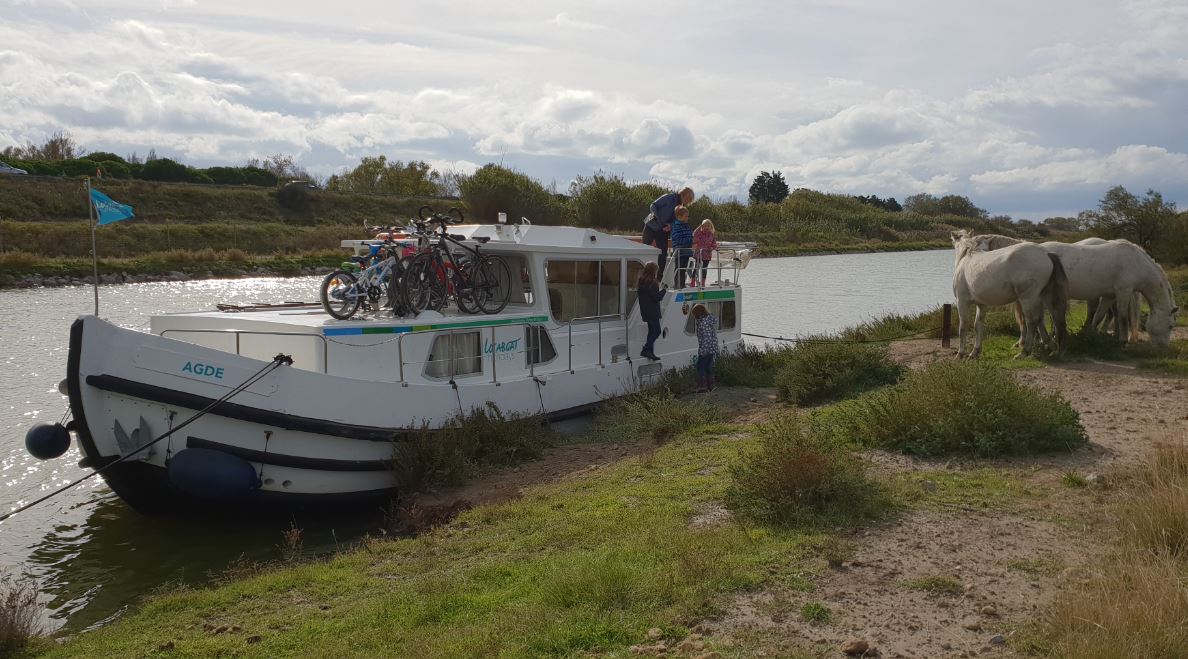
(46,441)
(214,475)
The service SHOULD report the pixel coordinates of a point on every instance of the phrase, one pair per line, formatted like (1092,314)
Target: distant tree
(1063,224)
(376,174)
(226,175)
(927,204)
(768,188)
(152,155)
(164,169)
(888,204)
(1121,214)
(104,156)
(260,177)
(59,146)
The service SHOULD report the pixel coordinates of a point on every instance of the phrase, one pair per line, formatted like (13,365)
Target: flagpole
(94,251)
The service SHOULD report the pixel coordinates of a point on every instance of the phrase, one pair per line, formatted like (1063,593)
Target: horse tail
(1055,295)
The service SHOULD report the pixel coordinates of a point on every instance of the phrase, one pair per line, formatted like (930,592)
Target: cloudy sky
(1030,107)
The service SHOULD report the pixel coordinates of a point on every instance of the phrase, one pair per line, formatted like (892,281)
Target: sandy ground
(1006,565)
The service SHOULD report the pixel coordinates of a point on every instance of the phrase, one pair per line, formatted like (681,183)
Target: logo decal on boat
(501,348)
(205,370)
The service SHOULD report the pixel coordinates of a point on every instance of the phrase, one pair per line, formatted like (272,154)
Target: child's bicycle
(360,282)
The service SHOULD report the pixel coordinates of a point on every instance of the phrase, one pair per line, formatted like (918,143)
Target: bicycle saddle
(457,236)
(483,239)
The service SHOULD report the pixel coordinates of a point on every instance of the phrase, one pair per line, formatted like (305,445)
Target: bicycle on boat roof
(362,280)
(448,268)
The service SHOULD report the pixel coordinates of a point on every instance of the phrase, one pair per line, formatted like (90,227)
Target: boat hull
(310,438)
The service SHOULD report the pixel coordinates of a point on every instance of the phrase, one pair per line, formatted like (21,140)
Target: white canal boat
(322,429)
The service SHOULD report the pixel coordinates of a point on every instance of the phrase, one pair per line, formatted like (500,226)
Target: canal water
(93,556)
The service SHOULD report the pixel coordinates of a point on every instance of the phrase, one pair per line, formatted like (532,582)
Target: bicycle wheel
(395,279)
(340,294)
(423,284)
(464,293)
(490,277)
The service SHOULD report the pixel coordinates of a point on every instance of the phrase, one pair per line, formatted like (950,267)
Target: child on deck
(707,347)
(705,241)
(682,245)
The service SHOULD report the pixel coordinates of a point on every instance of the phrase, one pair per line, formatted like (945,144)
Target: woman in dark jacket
(650,294)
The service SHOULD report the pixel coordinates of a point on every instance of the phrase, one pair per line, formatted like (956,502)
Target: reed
(18,611)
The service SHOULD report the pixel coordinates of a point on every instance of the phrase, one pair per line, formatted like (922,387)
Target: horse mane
(993,241)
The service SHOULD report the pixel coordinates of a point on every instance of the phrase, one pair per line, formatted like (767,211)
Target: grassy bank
(203,263)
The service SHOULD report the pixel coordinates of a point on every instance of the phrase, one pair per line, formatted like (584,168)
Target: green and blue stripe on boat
(403,329)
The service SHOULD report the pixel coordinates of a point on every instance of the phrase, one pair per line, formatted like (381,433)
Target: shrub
(485,436)
(293,197)
(750,365)
(800,474)
(18,611)
(656,413)
(493,189)
(610,202)
(816,372)
(959,407)
(164,169)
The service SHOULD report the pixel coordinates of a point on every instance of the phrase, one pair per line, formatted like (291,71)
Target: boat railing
(239,333)
(585,320)
(732,260)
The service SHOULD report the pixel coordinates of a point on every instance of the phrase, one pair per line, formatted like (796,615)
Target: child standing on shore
(705,241)
(707,347)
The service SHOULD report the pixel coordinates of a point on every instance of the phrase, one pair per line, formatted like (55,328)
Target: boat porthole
(286,483)
(268,481)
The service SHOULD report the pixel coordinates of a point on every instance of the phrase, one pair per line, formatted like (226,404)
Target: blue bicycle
(363,280)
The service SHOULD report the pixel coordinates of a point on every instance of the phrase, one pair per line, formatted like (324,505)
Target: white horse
(1025,273)
(1104,271)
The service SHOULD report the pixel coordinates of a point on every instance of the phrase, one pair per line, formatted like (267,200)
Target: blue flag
(108,209)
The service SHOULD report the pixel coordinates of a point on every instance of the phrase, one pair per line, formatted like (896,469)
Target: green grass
(816,613)
(1045,566)
(587,565)
(1074,479)
(936,585)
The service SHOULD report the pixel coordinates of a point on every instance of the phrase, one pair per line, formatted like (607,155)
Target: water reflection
(97,567)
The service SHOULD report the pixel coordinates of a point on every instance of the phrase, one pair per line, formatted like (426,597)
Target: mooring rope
(268,368)
(905,337)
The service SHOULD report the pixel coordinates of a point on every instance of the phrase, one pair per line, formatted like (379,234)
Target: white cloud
(1080,96)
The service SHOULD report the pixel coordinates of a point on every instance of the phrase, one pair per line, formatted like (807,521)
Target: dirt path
(960,583)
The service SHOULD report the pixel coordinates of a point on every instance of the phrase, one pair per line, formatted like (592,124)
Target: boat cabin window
(722,310)
(521,284)
(540,347)
(454,355)
(583,289)
(633,270)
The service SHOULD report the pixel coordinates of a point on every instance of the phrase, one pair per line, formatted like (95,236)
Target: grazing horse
(1102,272)
(1023,273)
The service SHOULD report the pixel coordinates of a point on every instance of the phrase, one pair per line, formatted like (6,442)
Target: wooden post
(947,326)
